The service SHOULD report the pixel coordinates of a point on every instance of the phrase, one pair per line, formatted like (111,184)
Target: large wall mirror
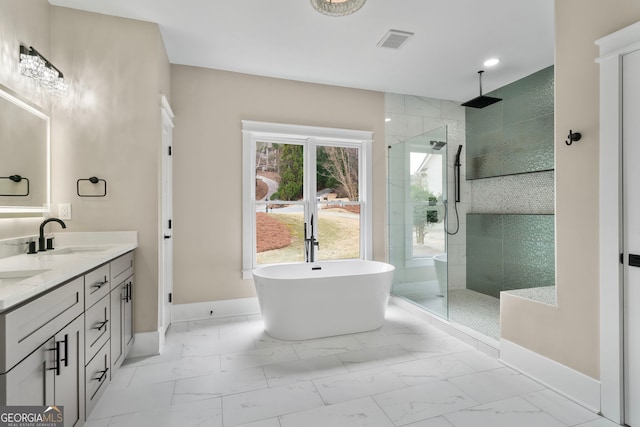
(24,158)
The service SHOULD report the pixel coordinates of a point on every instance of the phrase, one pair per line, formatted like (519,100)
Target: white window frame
(309,136)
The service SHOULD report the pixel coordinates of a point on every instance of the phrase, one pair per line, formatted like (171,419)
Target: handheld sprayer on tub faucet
(310,243)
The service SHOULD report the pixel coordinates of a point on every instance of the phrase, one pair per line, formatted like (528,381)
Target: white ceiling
(289,39)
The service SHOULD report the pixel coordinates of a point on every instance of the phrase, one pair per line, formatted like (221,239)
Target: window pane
(279,171)
(338,231)
(279,233)
(337,172)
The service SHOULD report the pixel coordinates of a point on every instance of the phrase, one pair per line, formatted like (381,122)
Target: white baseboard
(146,344)
(570,383)
(222,308)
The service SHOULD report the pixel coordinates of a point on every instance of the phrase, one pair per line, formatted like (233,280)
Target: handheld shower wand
(456,191)
(457,165)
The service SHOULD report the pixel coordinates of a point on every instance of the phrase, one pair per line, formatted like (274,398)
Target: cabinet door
(128,316)
(117,325)
(69,378)
(30,382)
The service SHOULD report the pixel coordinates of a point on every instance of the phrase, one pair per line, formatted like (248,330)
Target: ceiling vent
(394,39)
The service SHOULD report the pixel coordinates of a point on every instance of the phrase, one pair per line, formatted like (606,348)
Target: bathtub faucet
(310,243)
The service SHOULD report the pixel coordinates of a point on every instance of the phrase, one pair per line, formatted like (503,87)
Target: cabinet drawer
(97,327)
(96,285)
(96,378)
(121,268)
(28,326)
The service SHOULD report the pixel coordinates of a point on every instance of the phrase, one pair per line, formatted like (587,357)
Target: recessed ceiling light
(491,62)
(387,119)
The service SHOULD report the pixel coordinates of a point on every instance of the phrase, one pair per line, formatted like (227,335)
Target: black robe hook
(573,136)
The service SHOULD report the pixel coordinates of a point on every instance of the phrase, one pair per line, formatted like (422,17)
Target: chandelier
(337,7)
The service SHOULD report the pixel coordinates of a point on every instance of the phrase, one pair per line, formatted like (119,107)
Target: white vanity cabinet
(97,334)
(121,309)
(63,346)
(54,373)
(42,355)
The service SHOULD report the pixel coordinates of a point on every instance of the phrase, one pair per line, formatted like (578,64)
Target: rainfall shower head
(437,145)
(482,100)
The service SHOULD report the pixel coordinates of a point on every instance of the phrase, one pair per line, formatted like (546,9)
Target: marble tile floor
(229,372)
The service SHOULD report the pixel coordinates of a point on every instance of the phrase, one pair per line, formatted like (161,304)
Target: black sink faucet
(41,240)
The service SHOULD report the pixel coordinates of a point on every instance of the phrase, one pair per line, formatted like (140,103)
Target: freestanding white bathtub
(322,299)
(440,263)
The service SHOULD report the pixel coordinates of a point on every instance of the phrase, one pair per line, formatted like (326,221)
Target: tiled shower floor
(229,372)
(472,309)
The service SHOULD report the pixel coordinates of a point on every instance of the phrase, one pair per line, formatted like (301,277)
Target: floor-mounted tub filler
(322,299)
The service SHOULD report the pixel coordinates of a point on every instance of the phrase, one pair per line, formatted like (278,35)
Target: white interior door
(631,201)
(166,253)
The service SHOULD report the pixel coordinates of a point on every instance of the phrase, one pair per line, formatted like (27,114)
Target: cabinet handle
(57,350)
(101,325)
(102,376)
(66,350)
(127,292)
(100,284)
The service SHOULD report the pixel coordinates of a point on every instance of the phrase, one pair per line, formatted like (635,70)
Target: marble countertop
(25,276)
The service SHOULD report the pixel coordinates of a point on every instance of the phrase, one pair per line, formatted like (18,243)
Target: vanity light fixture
(337,7)
(36,66)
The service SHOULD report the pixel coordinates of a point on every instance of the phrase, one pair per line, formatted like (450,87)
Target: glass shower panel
(417,193)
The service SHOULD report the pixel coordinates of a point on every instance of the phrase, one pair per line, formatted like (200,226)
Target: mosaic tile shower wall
(510,252)
(531,193)
(516,135)
(510,234)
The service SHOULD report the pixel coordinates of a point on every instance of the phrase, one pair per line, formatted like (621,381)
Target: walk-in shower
(417,208)
(428,232)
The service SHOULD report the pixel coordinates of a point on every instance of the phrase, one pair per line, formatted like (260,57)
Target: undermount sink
(77,250)
(20,274)
(10,277)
